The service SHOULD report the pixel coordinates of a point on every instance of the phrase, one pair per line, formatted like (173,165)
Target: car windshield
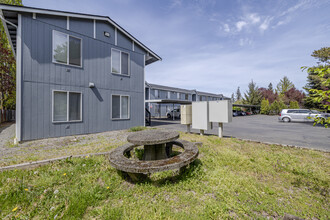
(315,111)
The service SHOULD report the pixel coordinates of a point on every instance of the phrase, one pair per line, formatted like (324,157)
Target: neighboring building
(162,99)
(76,73)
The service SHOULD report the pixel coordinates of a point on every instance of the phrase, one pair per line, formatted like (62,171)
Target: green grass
(231,179)
(137,128)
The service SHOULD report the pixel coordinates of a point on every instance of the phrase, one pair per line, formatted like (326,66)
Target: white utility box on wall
(186,114)
(200,116)
(220,111)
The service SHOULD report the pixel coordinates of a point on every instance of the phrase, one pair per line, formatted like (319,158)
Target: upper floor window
(119,62)
(178,95)
(66,49)
(156,93)
(186,96)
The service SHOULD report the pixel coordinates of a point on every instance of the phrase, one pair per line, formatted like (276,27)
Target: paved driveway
(266,129)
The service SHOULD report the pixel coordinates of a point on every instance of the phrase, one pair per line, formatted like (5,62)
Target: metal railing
(148,117)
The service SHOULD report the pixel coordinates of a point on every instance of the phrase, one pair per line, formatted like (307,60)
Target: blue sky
(216,46)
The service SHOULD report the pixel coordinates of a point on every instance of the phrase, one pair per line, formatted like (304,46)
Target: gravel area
(55,147)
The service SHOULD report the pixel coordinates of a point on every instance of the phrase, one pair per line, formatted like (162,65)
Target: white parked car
(302,115)
(177,114)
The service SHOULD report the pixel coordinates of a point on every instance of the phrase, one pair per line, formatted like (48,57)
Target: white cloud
(226,28)
(253,18)
(265,24)
(240,25)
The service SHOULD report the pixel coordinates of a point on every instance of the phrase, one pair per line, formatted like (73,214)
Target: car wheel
(168,116)
(286,120)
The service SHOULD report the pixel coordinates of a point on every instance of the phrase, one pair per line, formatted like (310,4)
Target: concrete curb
(43,162)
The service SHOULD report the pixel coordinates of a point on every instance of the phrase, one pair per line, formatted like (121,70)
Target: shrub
(264,108)
(294,105)
(137,128)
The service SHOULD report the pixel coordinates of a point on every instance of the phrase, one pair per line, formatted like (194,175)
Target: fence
(7,115)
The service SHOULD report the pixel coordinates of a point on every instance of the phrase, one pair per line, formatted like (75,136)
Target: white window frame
(129,62)
(67,106)
(67,52)
(129,107)
(177,95)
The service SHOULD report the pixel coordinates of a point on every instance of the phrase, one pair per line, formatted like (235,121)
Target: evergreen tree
(323,55)
(232,98)
(284,85)
(270,87)
(275,107)
(252,96)
(238,94)
(313,79)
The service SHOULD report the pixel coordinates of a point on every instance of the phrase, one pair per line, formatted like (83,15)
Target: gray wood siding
(123,41)
(82,26)
(101,27)
(58,21)
(41,76)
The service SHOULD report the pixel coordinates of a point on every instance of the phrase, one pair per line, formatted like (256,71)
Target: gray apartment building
(76,73)
(162,99)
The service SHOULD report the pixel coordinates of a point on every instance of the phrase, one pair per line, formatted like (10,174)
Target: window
(66,49)
(186,96)
(119,62)
(156,93)
(120,107)
(168,95)
(304,111)
(66,106)
(178,95)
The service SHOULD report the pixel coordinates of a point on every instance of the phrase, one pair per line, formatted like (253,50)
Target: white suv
(303,115)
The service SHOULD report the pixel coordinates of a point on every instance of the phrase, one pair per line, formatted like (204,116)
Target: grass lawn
(231,179)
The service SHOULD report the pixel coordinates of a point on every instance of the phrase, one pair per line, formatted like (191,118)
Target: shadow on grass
(167,177)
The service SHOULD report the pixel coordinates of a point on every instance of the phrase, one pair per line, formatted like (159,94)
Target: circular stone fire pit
(157,153)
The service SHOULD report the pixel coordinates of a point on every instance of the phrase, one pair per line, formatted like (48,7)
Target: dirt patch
(56,147)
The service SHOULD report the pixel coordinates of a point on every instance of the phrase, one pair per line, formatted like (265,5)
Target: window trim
(129,63)
(129,107)
(67,106)
(68,52)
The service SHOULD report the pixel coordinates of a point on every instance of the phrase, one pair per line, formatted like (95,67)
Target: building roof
(175,89)
(10,14)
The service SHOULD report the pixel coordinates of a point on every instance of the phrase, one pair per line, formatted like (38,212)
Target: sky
(217,45)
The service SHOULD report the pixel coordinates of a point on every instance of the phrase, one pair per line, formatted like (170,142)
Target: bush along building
(76,73)
(162,99)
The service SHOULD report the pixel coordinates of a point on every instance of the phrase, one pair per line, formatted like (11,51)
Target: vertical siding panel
(27,49)
(26,110)
(34,112)
(47,109)
(34,52)
(40,109)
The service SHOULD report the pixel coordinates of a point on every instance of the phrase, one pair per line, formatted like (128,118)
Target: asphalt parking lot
(265,129)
